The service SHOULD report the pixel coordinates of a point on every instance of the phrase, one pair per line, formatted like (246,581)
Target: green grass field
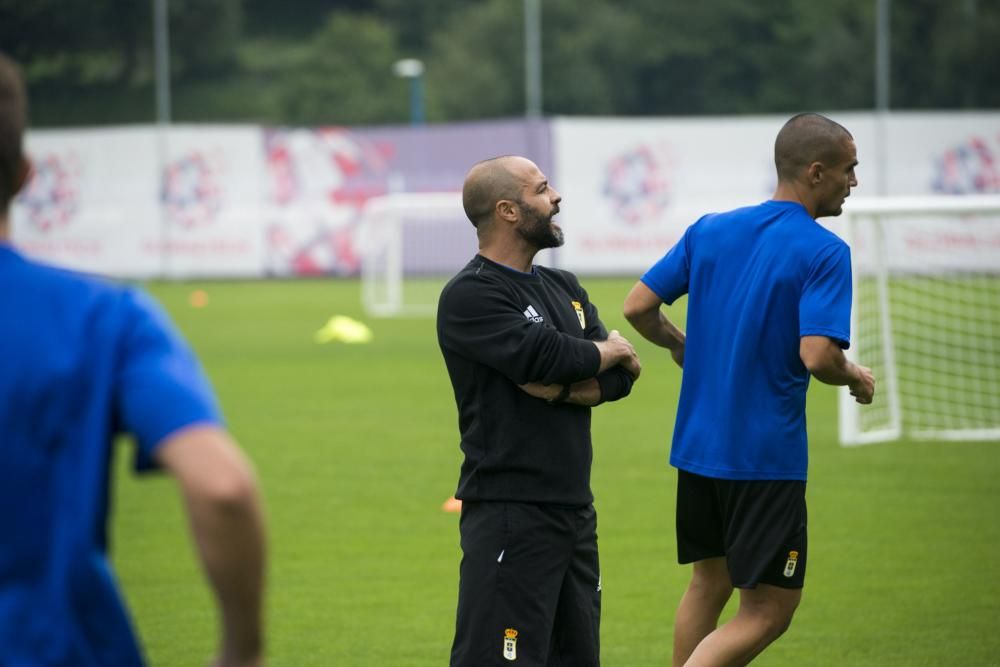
(357,447)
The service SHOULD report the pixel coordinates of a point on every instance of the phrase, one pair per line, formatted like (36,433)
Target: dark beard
(538,230)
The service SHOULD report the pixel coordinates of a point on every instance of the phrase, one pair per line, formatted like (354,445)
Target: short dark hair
(804,139)
(13,119)
(487,183)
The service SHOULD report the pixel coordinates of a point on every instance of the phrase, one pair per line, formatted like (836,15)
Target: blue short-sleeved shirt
(82,361)
(757,279)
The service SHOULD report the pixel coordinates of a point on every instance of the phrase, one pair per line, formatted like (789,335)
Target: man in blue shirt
(769,302)
(85,360)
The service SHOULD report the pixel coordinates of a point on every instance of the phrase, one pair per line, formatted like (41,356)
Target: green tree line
(316,62)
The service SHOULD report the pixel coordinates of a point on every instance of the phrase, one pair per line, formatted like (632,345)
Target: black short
(759,526)
(530,586)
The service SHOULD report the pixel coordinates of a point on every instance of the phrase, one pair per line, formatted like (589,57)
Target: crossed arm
(615,351)
(484,323)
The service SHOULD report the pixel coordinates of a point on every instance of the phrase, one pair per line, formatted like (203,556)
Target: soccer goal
(926,318)
(412,243)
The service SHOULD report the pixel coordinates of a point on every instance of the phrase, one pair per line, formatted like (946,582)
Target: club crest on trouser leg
(510,644)
(793,559)
(578,307)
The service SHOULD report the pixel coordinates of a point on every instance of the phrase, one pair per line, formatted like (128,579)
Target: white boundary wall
(99,201)
(248,201)
(632,186)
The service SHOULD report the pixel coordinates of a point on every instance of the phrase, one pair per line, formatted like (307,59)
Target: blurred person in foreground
(528,357)
(85,360)
(769,305)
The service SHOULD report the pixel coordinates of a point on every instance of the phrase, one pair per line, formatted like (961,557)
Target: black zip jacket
(499,328)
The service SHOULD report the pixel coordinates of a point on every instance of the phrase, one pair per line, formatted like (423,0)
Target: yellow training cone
(343,329)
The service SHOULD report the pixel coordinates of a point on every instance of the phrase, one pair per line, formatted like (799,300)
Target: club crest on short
(510,644)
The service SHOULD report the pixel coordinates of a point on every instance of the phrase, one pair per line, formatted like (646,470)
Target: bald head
(807,138)
(13,118)
(487,183)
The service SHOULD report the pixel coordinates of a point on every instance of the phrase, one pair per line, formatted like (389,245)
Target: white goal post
(925,318)
(411,244)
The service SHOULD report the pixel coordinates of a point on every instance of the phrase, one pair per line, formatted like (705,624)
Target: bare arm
(615,351)
(827,363)
(642,310)
(223,506)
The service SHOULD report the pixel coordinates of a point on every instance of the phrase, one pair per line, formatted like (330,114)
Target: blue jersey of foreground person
(776,275)
(83,361)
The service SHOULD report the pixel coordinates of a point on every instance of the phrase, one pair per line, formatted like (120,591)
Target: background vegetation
(329,62)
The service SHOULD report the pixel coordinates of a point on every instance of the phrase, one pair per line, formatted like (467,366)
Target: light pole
(533,58)
(161,57)
(161,60)
(883,37)
(413,69)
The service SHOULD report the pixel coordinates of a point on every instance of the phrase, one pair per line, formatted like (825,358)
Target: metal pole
(883,37)
(161,56)
(882,43)
(417,100)
(413,70)
(161,49)
(971,89)
(532,58)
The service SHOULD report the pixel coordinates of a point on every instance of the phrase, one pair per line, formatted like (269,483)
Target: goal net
(412,243)
(926,318)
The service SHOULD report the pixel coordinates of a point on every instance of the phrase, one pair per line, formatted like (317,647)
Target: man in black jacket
(528,357)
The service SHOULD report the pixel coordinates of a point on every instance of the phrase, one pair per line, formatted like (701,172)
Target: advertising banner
(135,202)
(90,200)
(249,201)
(320,180)
(209,195)
(632,186)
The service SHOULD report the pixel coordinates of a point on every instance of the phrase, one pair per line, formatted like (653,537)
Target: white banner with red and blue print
(249,201)
(632,186)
